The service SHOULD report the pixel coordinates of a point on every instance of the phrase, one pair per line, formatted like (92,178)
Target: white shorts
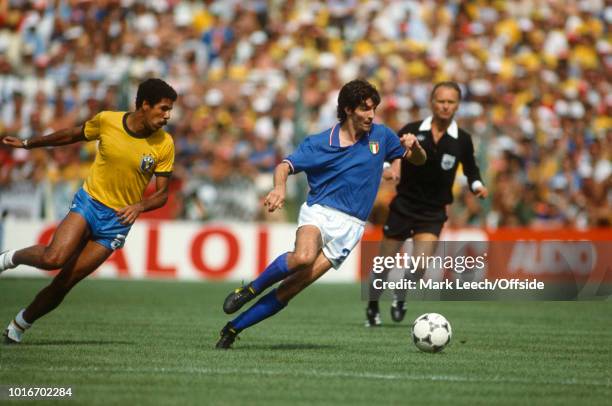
(340,232)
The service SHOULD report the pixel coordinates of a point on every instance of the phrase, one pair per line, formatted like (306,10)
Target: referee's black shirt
(428,187)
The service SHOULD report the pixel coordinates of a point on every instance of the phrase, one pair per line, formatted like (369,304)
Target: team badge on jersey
(448,161)
(147,163)
(374,147)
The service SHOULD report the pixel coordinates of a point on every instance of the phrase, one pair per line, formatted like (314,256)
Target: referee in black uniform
(419,209)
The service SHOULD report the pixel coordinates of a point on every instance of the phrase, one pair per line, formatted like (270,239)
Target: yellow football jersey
(124,162)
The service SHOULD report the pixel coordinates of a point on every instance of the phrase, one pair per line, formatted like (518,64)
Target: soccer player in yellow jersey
(132,147)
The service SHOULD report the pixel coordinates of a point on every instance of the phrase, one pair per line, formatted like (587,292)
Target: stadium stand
(255,77)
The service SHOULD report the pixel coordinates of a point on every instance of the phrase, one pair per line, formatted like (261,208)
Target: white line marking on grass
(324,374)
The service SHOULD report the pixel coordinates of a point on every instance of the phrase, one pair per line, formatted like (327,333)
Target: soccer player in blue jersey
(343,166)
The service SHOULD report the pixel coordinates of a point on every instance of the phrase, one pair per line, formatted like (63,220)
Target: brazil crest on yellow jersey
(124,162)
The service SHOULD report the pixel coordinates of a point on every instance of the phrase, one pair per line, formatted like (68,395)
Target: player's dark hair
(153,90)
(353,94)
(448,84)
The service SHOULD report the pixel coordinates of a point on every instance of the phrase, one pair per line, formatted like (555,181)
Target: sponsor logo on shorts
(118,242)
(345,253)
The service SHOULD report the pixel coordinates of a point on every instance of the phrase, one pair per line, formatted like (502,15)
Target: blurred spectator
(255,77)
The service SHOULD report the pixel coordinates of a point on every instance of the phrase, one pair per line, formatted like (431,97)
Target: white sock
(21,321)
(7,257)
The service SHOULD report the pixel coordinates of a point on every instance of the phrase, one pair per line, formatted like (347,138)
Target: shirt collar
(452,130)
(334,135)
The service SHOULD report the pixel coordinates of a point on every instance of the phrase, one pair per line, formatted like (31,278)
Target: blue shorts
(105,225)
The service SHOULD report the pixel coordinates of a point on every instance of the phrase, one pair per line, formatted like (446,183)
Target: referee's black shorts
(404,222)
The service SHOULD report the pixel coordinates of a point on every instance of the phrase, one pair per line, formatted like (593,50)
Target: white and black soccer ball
(431,332)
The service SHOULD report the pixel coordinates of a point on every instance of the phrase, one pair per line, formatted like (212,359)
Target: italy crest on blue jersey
(374,147)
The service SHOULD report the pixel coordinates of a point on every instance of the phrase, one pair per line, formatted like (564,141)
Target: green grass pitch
(151,342)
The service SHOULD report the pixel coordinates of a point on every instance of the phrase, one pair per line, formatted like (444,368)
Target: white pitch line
(325,374)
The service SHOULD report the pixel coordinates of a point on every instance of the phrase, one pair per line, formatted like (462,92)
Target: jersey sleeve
(302,157)
(394,148)
(166,163)
(470,168)
(92,127)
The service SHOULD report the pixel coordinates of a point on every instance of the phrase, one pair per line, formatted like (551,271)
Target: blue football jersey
(345,178)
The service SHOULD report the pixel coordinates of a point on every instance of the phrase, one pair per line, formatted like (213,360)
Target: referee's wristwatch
(25,143)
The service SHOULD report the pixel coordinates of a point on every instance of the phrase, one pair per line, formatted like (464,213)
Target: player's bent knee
(53,259)
(304,258)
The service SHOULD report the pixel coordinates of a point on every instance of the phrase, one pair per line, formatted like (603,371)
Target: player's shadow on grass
(389,324)
(394,325)
(78,342)
(291,347)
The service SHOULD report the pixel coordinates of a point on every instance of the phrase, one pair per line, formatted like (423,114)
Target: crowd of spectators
(255,77)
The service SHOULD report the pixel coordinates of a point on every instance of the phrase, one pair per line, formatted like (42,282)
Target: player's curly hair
(353,94)
(153,90)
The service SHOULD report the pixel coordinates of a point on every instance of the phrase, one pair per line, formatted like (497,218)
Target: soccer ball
(431,332)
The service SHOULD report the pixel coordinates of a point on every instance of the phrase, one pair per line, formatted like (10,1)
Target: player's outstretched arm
(129,214)
(61,137)
(415,154)
(276,198)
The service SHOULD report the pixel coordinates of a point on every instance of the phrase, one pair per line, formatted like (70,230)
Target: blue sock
(276,271)
(265,307)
